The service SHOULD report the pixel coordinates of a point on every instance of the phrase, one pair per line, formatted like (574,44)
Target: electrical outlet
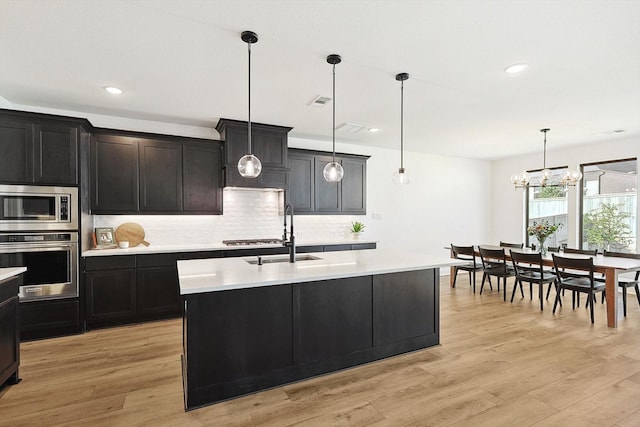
(376,215)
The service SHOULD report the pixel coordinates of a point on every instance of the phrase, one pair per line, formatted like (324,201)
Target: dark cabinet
(160,176)
(38,152)
(9,330)
(46,319)
(310,193)
(114,174)
(202,177)
(111,296)
(142,175)
(269,144)
(158,291)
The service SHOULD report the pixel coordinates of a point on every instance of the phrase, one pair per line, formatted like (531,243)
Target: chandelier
(547,178)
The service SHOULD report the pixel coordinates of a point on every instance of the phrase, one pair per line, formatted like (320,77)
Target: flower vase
(543,247)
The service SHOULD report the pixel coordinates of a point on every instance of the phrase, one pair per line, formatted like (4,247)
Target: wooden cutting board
(131,232)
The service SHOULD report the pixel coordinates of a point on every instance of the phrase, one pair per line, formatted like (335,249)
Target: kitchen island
(10,281)
(249,327)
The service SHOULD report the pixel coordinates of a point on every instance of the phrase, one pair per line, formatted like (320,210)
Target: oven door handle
(34,248)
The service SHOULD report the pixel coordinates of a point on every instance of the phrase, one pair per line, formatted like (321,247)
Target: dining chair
(576,275)
(494,263)
(553,248)
(528,268)
(465,253)
(511,245)
(623,282)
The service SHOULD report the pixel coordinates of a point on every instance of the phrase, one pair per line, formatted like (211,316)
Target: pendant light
(400,176)
(569,178)
(333,171)
(249,165)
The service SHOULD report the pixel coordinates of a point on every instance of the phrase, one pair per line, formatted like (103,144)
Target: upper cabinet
(37,150)
(269,144)
(132,174)
(309,193)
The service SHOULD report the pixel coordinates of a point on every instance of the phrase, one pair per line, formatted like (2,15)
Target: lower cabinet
(47,319)
(129,289)
(9,331)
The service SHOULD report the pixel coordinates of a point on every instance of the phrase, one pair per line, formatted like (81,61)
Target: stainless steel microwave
(36,208)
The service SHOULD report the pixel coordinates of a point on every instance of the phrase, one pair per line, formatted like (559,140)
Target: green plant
(357,227)
(607,226)
(550,192)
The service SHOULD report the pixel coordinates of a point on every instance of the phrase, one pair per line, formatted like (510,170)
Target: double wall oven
(39,231)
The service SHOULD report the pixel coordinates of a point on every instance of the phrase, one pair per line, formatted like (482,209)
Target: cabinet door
(111,296)
(56,154)
(327,194)
(202,173)
(158,293)
(354,185)
(16,151)
(160,175)
(114,174)
(301,191)
(270,146)
(9,339)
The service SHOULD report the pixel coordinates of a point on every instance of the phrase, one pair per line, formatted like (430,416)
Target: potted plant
(542,230)
(356,228)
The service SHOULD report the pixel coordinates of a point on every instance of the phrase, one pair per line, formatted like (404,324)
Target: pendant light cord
(402,124)
(544,155)
(334,112)
(249,95)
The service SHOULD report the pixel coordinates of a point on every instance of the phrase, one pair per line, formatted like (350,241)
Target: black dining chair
(528,268)
(494,263)
(511,245)
(626,283)
(576,275)
(553,248)
(465,253)
(592,252)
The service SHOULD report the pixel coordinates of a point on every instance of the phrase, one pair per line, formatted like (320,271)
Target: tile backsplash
(248,214)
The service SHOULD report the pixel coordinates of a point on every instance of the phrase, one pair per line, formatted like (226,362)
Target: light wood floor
(499,364)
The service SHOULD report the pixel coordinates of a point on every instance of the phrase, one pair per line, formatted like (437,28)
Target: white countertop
(6,273)
(153,249)
(221,274)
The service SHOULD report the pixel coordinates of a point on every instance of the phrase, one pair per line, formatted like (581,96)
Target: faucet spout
(291,242)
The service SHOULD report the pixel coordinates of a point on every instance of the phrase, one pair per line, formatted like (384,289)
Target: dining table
(609,266)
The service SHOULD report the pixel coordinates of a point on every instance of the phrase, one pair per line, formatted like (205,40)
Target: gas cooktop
(247,242)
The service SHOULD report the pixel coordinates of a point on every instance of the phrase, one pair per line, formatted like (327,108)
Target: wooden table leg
(611,278)
(452,275)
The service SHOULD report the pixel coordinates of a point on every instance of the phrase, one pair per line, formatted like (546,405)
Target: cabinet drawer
(110,262)
(157,260)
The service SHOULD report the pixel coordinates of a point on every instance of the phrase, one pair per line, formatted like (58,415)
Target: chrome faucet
(291,242)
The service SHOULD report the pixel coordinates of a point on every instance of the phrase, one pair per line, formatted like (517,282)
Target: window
(547,204)
(609,206)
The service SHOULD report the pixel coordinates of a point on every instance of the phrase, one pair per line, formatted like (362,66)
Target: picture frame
(105,238)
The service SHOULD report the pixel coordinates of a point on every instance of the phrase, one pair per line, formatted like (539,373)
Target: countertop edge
(9,272)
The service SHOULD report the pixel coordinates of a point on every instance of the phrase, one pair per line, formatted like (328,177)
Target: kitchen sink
(284,258)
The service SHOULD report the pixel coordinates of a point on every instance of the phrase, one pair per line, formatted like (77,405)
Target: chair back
(493,259)
(567,268)
(592,252)
(623,255)
(463,252)
(527,262)
(511,245)
(553,248)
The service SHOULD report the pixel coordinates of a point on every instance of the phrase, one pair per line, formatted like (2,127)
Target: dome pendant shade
(400,177)
(333,172)
(249,166)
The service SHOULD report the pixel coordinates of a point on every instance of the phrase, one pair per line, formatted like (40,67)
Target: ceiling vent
(351,128)
(320,101)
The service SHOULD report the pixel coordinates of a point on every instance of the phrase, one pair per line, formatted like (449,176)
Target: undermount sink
(284,258)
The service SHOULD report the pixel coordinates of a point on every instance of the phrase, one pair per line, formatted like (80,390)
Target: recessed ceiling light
(516,68)
(374,130)
(113,90)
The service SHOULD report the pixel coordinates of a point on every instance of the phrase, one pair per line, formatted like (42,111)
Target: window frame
(526,204)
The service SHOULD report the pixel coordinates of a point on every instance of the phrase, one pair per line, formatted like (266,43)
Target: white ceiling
(182,61)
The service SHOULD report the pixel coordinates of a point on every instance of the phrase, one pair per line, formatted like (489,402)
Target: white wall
(448,200)
(509,204)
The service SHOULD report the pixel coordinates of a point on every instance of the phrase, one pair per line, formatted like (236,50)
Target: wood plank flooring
(499,364)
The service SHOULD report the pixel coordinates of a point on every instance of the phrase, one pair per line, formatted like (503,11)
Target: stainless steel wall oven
(51,260)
